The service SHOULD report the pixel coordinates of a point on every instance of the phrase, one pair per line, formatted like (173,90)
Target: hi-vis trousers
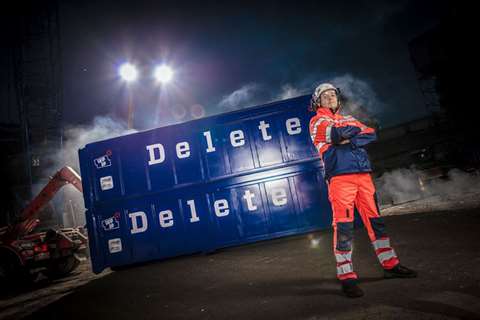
(346,192)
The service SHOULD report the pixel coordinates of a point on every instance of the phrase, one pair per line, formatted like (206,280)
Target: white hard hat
(322,88)
(318,92)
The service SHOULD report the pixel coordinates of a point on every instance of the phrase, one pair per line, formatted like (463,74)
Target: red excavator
(56,253)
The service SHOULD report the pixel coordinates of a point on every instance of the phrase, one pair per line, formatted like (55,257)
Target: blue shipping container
(224,180)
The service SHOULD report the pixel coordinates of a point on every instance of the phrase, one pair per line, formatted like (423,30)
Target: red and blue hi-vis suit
(347,171)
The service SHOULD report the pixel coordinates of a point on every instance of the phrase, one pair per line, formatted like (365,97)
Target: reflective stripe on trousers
(343,257)
(385,253)
(381,243)
(344,269)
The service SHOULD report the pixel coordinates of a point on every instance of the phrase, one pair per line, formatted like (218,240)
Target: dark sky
(258,50)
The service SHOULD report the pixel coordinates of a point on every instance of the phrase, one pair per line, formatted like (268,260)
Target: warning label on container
(115,245)
(106,183)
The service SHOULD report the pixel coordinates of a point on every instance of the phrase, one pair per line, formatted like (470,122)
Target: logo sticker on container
(103,161)
(106,183)
(115,245)
(111,223)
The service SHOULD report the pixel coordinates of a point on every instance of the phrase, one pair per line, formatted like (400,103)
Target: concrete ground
(294,278)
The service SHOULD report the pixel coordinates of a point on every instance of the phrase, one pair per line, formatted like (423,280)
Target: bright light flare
(128,72)
(163,74)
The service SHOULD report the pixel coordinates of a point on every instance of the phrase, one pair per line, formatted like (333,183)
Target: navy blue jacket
(340,140)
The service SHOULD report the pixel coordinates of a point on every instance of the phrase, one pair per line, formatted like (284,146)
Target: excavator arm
(28,217)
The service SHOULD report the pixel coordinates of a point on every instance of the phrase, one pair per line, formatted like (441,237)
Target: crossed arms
(349,130)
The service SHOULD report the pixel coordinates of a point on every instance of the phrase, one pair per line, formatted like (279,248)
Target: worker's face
(329,99)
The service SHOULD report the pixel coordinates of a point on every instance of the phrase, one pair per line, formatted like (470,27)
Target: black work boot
(351,289)
(399,271)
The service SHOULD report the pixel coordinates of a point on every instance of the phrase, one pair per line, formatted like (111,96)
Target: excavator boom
(28,217)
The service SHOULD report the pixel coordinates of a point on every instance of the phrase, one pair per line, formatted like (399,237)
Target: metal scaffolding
(38,83)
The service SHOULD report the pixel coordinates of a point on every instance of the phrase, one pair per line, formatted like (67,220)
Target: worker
(340,141)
